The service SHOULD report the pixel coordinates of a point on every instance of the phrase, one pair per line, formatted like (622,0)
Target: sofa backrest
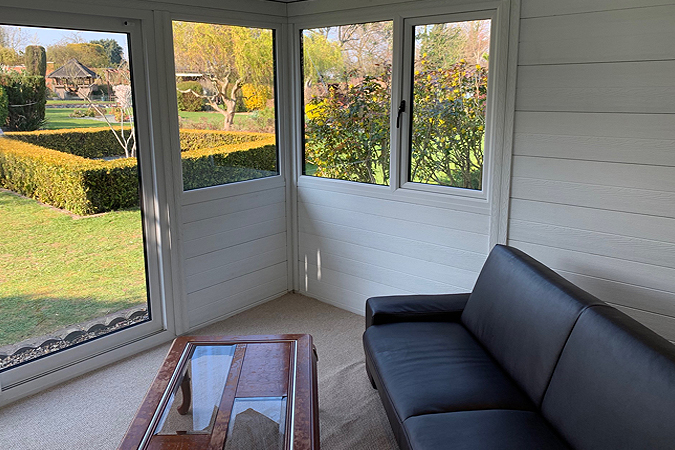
(523,312)
(614,386)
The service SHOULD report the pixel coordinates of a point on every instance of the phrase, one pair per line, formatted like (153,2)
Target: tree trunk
(230,104)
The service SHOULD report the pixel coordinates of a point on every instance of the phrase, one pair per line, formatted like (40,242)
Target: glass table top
(203,377)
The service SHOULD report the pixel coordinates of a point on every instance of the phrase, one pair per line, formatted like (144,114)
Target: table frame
(302,420)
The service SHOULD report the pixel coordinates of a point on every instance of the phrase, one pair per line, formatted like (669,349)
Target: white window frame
(36,375)
(493,198)
(407,88)
(225,190)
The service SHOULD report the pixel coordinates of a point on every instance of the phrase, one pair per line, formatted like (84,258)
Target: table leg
(187,395)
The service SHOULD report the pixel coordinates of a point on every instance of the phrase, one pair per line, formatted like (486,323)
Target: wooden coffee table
(231,393)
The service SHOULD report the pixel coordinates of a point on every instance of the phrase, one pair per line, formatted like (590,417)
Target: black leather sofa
(526,361)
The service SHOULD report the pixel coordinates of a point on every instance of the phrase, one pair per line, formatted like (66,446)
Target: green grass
(57,270)
(58,118)
(215,119)
(76,102)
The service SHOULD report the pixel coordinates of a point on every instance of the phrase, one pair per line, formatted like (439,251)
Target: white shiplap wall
(593,184)
(235,251)
(353,246)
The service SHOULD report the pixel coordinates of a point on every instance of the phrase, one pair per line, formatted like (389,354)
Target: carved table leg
(187,395)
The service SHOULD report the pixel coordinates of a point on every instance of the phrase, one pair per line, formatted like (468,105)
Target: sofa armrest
(415,308)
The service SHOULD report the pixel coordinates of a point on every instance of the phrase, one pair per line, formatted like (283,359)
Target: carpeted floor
(93,411)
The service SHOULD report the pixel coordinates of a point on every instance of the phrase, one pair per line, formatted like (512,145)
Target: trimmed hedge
(100,142)
(84,142)
(85,186)
(230,163)
(203,139)
(80,185)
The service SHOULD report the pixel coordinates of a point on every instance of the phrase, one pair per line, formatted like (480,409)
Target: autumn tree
(12,42)
(227,57)
(89,54)
(322,58)
(9,57)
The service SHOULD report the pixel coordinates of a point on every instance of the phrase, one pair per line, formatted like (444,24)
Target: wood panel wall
(593,185)
(352,247)
(235,252)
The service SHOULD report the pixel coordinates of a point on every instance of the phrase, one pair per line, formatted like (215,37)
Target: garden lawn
(57,270)
(213,119)
(58,118)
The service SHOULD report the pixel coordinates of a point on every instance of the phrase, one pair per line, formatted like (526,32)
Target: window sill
(445,200)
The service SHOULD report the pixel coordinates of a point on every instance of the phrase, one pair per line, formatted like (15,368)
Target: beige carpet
(94,411)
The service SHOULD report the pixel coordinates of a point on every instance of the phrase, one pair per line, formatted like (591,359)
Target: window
(449,98)
(225,83)
(73,251)
(347,99)
(421,118)
(81,278)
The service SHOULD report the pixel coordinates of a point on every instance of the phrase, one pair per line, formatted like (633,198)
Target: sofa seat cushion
(433,367)
(482,430)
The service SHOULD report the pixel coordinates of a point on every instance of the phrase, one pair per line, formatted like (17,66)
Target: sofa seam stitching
(562,349)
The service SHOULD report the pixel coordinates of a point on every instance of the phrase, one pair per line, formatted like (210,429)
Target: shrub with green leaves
(200,139)
(3,107)
(82,186)
(61,178)
(229,163)
(347,130)
(187,101)
(448,125)
(27,97)
(35,60)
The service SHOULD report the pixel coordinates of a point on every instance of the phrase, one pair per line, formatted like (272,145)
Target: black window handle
(401,110)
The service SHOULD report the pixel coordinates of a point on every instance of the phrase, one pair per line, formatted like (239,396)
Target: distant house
(73,79)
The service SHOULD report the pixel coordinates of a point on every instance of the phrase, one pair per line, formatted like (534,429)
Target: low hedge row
(85,186)
(84,142)
(229,163)
(80,185)
(100,142)
(201,139)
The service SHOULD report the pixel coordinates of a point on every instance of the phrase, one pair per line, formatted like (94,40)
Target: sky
(50,36)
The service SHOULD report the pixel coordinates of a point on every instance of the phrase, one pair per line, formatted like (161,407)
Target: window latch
(401,110)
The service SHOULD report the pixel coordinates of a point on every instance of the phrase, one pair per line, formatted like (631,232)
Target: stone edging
(29,349)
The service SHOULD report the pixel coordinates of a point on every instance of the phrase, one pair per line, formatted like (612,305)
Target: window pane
(449,99)
(226,103)
(347,96)
(72,263)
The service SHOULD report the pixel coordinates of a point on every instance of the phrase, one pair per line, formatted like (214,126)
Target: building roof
(73,69)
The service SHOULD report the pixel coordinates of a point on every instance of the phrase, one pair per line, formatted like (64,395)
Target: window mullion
(397,95)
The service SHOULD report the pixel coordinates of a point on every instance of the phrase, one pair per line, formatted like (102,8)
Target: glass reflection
(194,401)
(257,423)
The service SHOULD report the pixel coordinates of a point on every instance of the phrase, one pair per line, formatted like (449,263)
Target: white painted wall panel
(352,247)
(635,34)
(627,87)
(624,138)
(546,8)
(235,251)
(641,201)
(593,187)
